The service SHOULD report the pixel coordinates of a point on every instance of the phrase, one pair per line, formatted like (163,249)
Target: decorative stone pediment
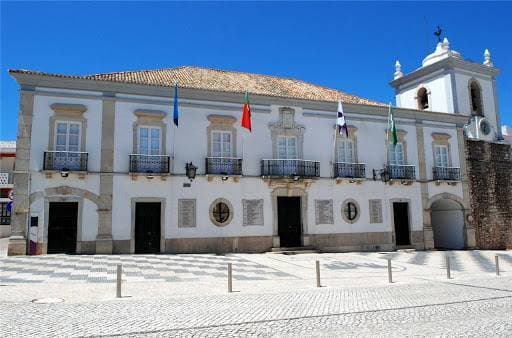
(286,126)
(68,108)
(150,114)
(221,119)
(440,137)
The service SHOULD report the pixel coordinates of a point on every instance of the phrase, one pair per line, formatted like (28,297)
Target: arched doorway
(447,219)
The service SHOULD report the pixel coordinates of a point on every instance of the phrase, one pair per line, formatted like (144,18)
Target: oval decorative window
(221,212)
(350,211)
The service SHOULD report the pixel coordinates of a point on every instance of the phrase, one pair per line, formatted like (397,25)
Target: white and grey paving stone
(356,299)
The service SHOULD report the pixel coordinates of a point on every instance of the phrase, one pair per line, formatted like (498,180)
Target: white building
(101,168)
(506,131)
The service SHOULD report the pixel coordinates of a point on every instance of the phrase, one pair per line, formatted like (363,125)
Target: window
(287,147)
(221,212)
(422,99)
(396,154)
(350,211)
(221,144)
(476,98)
(67,136)
(345,151)
(441,155)
(149,141)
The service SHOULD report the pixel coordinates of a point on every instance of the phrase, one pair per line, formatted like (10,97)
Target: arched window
(475,96)
(423,99)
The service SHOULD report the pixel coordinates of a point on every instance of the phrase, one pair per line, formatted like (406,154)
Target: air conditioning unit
(479,128)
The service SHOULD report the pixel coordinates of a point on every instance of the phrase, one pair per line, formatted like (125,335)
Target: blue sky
(348,46)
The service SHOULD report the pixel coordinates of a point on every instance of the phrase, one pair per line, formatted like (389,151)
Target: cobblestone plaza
(274,295)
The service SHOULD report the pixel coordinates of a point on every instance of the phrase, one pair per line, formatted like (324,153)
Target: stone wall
(489,167)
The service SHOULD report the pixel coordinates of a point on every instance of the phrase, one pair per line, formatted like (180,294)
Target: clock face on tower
(485,127)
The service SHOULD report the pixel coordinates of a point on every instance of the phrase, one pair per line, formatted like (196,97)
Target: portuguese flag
(392,128)
(246,114)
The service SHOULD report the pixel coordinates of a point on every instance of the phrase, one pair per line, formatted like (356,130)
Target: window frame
(342,144)
(346,204)
(287,138)
(392,150)
(68,124)
(212,143)
(213,205)
(150,138)
(447,154)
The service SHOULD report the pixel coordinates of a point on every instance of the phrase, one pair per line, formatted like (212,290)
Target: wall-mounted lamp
(190,171)
(64,172)
(382,173)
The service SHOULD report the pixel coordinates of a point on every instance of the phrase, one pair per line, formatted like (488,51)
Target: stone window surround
(70,113)
(470,83)
(441,139)
(231,212)
(352,135)
(401,138)
(133,202)
(429,97)
(221,123)
(150,118)
(344,204)
(281,128)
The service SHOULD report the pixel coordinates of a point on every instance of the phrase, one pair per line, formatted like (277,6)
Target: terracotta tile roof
(224,81)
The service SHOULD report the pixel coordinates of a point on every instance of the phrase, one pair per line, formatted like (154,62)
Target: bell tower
(447,83)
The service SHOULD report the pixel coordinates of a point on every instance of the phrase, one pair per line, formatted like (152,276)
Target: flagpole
(333,153)
(387,136)
(174,133)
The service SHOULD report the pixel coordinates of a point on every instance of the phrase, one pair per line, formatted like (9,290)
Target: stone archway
(447,219)
(63,195)
(67,191)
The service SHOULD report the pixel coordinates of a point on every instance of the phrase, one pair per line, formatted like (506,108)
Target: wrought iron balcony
(401,172)
(65,160)
(446,173)
(349,170)
(149,164)
(287,168)
(223,166)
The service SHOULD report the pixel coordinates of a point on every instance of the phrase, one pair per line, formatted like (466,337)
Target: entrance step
(405,248)
(294,250)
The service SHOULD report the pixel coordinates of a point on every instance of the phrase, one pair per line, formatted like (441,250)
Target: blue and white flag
(176,113)
(341,123)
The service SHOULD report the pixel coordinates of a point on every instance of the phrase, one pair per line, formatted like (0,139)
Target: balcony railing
(65,160)
(285,168)
(5,178)
(223,166)
(446,173)
(349,170)
(401,172)
(149,164)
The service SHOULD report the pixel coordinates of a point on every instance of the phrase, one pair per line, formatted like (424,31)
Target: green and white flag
(391,128)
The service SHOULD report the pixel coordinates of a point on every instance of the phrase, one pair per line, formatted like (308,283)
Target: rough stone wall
(489,167)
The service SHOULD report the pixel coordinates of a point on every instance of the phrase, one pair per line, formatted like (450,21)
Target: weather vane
(438,33)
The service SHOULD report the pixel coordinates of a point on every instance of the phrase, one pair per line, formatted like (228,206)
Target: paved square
(275,295)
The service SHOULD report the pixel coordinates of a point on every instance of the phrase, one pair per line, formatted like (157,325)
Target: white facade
(112,122)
